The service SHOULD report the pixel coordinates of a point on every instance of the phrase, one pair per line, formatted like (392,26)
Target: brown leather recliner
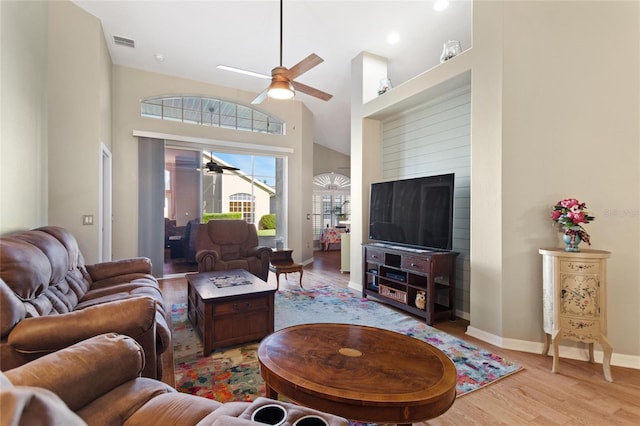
(96,382)
(231,244)
(49,299)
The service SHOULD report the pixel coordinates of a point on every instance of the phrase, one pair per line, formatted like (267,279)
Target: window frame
(211,112)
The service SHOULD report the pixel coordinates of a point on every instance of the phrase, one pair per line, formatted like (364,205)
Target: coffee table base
(229,316)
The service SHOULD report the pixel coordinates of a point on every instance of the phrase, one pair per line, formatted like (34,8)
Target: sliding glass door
(208,185)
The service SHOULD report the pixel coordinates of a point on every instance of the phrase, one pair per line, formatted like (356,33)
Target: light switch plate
(87,219)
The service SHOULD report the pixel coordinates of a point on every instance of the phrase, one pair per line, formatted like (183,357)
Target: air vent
(123,41)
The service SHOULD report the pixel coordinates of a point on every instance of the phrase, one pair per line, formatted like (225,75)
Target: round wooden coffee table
(361,373)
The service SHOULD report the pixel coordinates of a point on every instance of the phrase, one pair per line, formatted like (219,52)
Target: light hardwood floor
(577,395)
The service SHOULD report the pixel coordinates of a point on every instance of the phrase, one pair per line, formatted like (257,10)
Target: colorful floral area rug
(232,374)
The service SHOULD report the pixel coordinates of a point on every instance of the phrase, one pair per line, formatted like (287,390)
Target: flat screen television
(415,212)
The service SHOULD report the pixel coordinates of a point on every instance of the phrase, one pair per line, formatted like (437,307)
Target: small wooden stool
(285,268)
(282,263)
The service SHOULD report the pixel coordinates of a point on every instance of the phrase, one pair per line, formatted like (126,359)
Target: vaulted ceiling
(193,37)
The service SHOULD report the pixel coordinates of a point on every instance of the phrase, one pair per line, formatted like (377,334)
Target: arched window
(243,203)
(210,112)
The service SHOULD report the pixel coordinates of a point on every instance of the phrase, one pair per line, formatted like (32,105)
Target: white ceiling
(196,36)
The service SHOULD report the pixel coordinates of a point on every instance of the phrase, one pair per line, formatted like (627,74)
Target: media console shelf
(396,274)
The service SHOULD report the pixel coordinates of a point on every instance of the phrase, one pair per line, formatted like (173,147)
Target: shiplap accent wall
(432,139)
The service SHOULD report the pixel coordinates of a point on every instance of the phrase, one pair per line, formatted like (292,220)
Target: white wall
(23,115)
(366,71)
(555,115)
(546,124)
(570,129)
(79,107)
(327,160)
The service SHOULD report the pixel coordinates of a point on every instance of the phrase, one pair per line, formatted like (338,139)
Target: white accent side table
(345,252)
(575,301)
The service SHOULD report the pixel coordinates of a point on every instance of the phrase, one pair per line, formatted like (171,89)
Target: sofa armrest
(231,409)
(133,317)
(84,371)
(101,271)
(231,421)
(28,405)
(175,408)
(207,259)
(260,251)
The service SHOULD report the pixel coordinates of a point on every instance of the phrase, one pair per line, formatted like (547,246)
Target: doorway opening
(331,210)
(106,204)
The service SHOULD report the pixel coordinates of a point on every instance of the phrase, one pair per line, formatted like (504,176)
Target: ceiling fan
(213,167)
(283,84)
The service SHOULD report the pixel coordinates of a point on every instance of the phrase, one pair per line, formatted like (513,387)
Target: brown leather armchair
(231,244)
(96,382)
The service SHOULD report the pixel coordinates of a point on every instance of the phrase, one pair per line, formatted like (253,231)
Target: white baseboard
(463,315)
(570,352)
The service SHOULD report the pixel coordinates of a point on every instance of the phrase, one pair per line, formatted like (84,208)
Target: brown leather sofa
(231,244)
(97,382)
(49,299)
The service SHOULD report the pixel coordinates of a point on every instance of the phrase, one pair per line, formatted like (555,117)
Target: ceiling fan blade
(242,71)
(311,91)
(261,97)
(304,65)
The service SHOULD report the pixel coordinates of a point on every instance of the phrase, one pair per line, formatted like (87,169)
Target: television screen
(414,212)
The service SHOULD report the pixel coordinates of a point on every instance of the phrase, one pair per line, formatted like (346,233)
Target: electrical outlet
(87,219)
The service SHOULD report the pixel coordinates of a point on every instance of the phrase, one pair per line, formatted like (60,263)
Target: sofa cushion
(119,269)
(35,265)
(228,232)
(12,309)
(120,292)
(66,238)
(230,252)
(52,249)
(41,288)
(24,267)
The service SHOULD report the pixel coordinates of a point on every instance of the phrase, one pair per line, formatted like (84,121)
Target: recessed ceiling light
(393,38)
(441,4)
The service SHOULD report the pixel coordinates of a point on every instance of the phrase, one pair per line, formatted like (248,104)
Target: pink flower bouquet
(569,214)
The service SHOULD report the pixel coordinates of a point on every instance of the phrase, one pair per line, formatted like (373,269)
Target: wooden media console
(396,275)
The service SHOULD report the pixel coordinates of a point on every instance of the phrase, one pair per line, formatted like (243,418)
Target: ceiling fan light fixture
(281,90)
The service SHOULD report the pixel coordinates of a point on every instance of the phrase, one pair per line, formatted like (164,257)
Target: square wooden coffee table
(229,307)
